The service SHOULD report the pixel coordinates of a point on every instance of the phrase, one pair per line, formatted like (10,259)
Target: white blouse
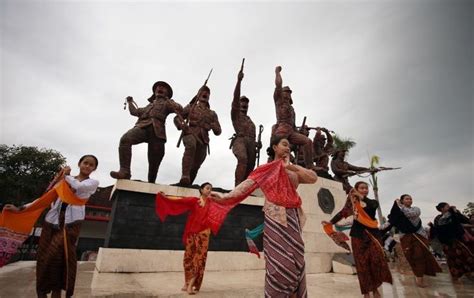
(83,189)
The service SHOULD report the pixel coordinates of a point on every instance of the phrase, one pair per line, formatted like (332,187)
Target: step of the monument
(115,260)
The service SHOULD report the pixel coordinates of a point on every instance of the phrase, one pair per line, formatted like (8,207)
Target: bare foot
(420,282)
(184,288)
(190,288)
(366,296)
(376,294)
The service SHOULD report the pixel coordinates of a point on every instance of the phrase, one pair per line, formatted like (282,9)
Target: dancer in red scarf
(196,233)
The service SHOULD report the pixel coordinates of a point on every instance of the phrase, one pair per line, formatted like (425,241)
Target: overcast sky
(395,76)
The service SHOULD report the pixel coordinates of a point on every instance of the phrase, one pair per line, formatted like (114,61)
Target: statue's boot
(187,164)
(125,157)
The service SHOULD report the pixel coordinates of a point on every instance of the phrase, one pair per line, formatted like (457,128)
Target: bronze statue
(149,128)
(343,170)
(286,120)
(196,121)
(299,155)
(323,147)
(243,142)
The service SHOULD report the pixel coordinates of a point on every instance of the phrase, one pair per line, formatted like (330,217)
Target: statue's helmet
(164,84)
(244,98)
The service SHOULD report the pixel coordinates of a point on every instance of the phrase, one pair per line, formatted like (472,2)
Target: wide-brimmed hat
(164,84)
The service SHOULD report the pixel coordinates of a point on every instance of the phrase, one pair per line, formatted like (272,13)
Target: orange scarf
(24,220)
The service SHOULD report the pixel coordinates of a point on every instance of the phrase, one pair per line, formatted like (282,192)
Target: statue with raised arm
(323,147)
(149,128)
(243,143)
(196,120)
(285,115)
(343,170)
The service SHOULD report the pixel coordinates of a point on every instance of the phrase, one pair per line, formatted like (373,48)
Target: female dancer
(56,261)
(196,233)
(369,256)
(414,241)
(284,219)
(457,245)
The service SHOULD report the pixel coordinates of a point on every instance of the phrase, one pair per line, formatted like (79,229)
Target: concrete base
(18,280)
(342,268)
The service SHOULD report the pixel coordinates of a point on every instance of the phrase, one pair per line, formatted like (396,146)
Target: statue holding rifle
(323,147)
(149,128)
(243,142)
(196,120)
(343,170)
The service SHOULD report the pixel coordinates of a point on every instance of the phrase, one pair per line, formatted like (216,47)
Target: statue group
(197,119)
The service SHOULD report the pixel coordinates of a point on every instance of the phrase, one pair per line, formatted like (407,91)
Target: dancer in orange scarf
(372,268)
(56,259)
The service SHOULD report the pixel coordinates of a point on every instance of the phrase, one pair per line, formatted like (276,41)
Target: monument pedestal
(138,244)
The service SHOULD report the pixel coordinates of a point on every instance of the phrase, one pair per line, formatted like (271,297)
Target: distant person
(56,261)
(414,239)
(457,245)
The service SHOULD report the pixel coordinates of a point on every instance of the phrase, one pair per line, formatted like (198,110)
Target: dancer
(369,256)
(56,259)
(413,239)
(283,244)
(457,243)
(196,233)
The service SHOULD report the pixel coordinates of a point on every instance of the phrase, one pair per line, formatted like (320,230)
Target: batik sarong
(416,250)
(369,257)
(284,253)
(195,256)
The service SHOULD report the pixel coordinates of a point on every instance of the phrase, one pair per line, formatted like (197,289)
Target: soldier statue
(285,115)
(343,170)
(149,128)
(243,142)
(196,122)
(323,147)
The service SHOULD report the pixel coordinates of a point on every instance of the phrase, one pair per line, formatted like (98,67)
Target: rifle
(371,170)
(242,66)
(300,130)
(186,121)
(259,141)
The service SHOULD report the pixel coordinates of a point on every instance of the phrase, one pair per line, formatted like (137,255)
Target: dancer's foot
(376,294)
(366,296)
(184,288)
(420,282)
(190,288)
(56,294)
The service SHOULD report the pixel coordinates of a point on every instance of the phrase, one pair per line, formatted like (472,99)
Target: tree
(26,171)
(469,210)
(343,144)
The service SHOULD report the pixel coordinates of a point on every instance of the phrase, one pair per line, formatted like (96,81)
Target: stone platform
(18,280)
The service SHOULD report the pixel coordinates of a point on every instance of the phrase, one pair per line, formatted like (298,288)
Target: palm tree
(343,144)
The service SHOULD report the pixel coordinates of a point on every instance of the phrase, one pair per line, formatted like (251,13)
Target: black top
(450,229)
(357,229)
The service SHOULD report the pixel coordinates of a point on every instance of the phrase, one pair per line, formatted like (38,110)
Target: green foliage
(343,143)
(25,172)
(374,162)
(469,210)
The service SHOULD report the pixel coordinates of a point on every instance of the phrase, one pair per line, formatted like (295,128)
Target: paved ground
(18,280)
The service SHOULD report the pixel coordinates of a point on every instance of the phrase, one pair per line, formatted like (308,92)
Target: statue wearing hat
(149,128)
(343,170)
(285,115)
(243,144)
(323,147)
(196,122)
